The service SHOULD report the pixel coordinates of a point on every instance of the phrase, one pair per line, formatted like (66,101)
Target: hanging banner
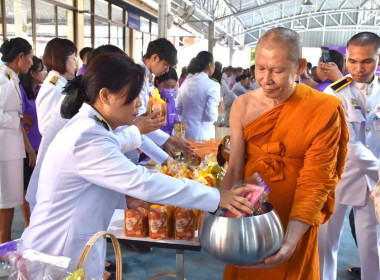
(133,19)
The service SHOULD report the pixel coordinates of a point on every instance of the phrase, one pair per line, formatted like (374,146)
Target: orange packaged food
(160,224)
(155,103)
(184,223)
(135,224)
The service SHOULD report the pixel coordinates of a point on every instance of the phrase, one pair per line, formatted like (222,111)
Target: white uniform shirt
(197,104)
(11,138)
(238,89)
(361,103)
(225,78)
(56,123)
(228,95)
(48,96)
(84,176)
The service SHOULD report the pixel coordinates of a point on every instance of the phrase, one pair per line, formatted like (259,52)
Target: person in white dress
(85,176)
(198,98)
(17,54)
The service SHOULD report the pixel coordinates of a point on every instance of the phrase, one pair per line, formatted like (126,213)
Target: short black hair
(10,49)
(252,68)
(170,75)
(104,49)
(309,65)
(364,39)
(337,58)
(84,51)
(164,49)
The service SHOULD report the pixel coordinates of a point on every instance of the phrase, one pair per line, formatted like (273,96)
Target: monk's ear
(301,66)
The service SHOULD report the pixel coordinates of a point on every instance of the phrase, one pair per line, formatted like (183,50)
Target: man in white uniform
(159,56)
(360,93)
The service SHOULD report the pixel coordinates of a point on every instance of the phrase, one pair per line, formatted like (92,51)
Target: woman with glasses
(60,59)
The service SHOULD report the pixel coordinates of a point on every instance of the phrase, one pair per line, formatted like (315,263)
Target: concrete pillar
(211,36)
(20,19)
(231,46)
(163,12)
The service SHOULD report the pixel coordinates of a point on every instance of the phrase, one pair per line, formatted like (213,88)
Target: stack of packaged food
(169,221)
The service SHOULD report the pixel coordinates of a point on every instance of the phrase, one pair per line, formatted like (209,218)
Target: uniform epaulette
(9,75)
(102,122)
(54,80)
(212,78)
(338,85)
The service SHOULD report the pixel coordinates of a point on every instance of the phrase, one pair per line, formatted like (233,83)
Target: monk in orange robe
(296,139)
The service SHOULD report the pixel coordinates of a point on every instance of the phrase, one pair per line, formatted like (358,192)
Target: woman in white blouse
(85,176)
(17,54)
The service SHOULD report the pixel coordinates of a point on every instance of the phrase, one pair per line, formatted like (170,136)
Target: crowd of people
(75,142)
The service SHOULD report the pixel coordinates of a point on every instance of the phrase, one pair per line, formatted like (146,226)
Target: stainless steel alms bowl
(241,240)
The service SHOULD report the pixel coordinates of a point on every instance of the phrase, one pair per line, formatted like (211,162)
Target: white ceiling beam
(253,9)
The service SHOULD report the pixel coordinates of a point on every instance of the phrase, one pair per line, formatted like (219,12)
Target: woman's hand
(329,71)
(170,149)
(137,204)
(181,144)
(148,123)
(231,200)
(27,120)
(32,158)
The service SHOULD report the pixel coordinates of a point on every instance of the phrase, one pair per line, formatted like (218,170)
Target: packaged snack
(155,103)
(184,223)
(252,196)
(160,224)
(135,225)
(179,129)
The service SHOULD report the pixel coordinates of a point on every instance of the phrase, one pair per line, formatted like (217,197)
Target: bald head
(284,37)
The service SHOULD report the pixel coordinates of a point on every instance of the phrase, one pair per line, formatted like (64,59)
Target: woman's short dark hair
(170,75)
(10,49)
(26,80)
(113,71)
(102,50)
(164,49)
(200,62)
(84,51)
(184,72)
(242,77)
(56,52)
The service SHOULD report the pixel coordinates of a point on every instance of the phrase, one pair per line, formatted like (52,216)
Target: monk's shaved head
(284,37)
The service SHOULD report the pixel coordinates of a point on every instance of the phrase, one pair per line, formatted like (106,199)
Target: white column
(163,12)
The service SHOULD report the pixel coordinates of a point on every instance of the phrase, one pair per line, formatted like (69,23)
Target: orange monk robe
(299,149)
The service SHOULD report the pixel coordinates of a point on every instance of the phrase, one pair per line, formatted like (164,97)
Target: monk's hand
(295,230)
(137,204)
(232,200)
(149,123)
